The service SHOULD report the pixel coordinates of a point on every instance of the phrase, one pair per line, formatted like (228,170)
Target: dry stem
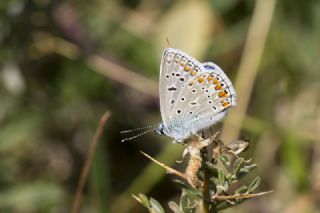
(86,166)
(167,168)
(239,196)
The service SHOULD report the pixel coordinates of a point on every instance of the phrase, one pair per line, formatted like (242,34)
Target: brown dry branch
(167,168)
(238,196)
(87,164)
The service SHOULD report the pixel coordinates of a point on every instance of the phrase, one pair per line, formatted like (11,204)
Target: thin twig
(252,53)
(87,164)
(239,196)
(167,168)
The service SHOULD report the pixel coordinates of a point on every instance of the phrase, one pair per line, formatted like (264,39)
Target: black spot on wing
(172,88)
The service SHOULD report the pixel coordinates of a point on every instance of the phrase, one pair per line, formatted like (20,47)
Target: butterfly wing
(176,69)
(204,100)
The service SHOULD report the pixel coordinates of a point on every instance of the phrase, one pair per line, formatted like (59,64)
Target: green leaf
(237,165)
(222,185)
(144,200)
(221,177)
(245,170)
(232,179)
(187,203)
(184,200)
(156,206)
(193,193)
(255,183)
(183,184)
(225,161)
(200,175)
(174,207)
(248,168)
(241,190)
(212,167)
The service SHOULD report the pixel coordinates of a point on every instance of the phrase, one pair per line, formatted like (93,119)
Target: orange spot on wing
(186,68)
(209,78)
(200,80)
(222,94)
(193,73)
(225,104)
(218,87)
(215,81)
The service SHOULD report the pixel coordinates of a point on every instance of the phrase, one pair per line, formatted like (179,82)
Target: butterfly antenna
(133,137)
(168,42)
(140,128)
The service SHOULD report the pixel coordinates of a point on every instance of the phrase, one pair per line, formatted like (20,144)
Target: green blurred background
(64,63)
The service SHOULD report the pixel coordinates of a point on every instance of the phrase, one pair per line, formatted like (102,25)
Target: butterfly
(193,96)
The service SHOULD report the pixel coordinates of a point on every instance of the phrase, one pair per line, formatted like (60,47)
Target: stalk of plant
(208,183)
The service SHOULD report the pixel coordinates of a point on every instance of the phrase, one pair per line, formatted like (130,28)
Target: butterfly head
(162,129)
(172,132)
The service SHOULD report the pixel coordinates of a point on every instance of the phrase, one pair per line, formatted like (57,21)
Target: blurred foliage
(52,98)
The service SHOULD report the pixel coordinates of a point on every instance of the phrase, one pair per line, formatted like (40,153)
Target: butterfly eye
(161,132)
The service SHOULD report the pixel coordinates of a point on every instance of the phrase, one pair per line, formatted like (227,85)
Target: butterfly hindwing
(205,99)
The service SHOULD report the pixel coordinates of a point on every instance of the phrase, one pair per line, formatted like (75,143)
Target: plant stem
(206,183)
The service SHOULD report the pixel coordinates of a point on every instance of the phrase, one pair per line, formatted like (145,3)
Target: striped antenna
(133,137)
(141,128)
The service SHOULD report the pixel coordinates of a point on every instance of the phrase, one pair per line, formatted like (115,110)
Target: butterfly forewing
(176,69)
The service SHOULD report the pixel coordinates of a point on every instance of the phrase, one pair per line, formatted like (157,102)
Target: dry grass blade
(86,166)
(48,43)
(121,74)
(167,168)
(254,46)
